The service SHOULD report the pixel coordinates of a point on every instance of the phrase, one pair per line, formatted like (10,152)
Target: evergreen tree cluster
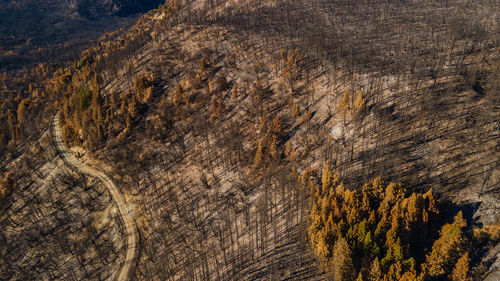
(88,116)
(380,231)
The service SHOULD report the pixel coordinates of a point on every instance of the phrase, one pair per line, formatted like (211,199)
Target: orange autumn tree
(376,232)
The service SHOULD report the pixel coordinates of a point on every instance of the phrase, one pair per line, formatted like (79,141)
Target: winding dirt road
(128,266)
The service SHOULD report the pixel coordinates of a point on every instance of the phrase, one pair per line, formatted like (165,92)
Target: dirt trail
(128,266)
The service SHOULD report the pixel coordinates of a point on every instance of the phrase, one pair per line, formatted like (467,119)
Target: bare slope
(206,115)
(212,109)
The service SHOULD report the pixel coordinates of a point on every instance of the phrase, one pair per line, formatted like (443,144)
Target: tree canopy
(376,232)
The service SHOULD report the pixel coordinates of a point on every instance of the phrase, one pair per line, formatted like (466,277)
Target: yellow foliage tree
(295,110)
(235,91)
(344,104)
(359,104)
(22,110)
(276,127)
(6,184)
(178,95)
(461,269)
(326,177)
(375,273)
(446,248)
(259,154)
(343,268)
(273,148)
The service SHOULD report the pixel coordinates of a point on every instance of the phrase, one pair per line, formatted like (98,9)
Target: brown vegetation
(383,232)
(207,115)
